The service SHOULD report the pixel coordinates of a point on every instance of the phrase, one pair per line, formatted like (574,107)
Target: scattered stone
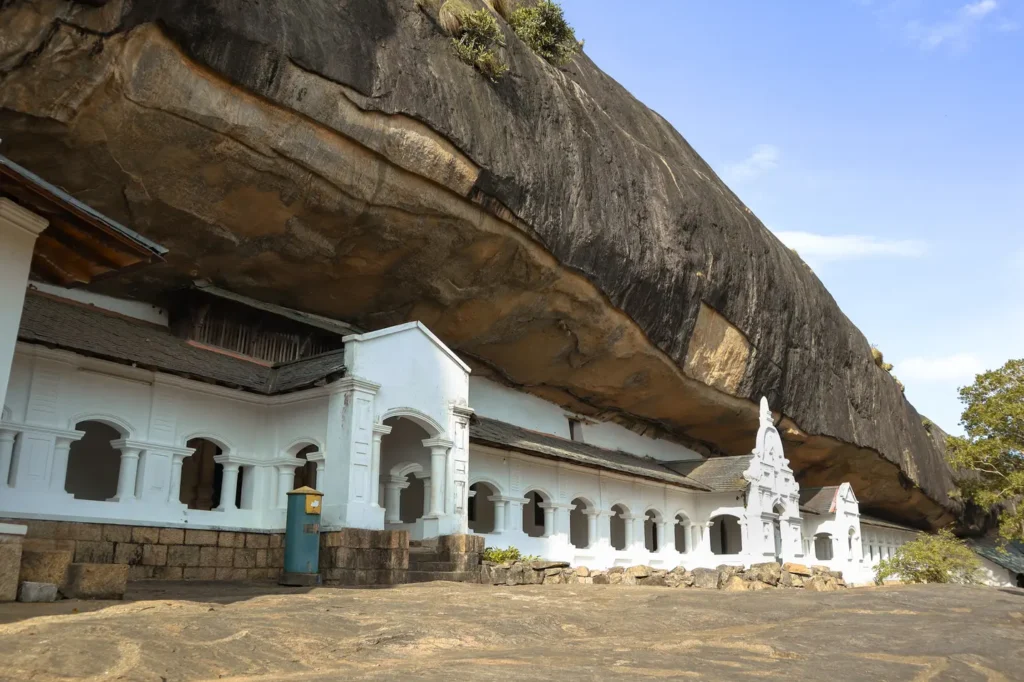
(600,578)
(770,572)
(706,578)
(820,570)
(616,569)
(45,565)
(735,584)
(821,583)
(796,569)
(655,581)
(35,593)
(583,572)
(616,578)
(639,571)
(544,565)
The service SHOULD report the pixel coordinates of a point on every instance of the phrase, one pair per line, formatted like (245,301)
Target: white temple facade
(194,416)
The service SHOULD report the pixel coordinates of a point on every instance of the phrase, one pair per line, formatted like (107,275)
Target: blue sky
(883,139)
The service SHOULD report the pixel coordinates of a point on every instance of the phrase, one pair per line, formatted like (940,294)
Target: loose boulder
(34,593)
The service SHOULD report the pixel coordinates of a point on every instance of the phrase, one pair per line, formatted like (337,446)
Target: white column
(549,518)
(499,513)
(663,537)
(705,540)
(592,538)
(59,464)
(285,481)
(629,523)
(19,228)
(174,492)
(6,451)
(379,431)
(393,488)
(438,474)
(515,513)
(426,494)
(128,473)
(228,485)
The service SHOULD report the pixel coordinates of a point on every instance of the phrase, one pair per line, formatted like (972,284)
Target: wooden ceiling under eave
(80,245)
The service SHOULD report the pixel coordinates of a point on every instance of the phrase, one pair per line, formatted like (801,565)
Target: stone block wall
(167,553)
(11,537)
(356,557)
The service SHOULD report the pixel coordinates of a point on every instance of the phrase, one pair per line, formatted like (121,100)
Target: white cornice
(38,428)
(14,216)
(354,383)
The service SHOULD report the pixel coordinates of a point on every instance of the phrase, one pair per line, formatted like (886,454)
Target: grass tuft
(542,26)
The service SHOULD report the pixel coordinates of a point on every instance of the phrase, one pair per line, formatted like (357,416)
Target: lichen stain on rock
(331,155)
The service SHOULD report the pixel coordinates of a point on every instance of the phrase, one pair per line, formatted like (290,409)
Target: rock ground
(446,631)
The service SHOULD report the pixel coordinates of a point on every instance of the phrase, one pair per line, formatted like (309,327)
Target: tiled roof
(92,331)
(818,500)
(1010,556)
(721,474)
(872,521)
(508,436)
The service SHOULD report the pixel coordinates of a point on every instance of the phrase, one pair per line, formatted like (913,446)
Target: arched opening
(1020,580)
(201,477)
(823,547)
(726,537)
(779,512)
(652,530)
(533,514)
(618,526)
(405,471)
(480,510)
(579,524)
(850,539)
(305,475)
(682,530)
(93,464)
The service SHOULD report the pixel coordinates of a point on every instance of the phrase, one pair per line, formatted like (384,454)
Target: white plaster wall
(495,401)
(514,475)
(994,575)
(54,390)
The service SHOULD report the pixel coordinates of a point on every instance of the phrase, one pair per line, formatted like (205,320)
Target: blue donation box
(302,538)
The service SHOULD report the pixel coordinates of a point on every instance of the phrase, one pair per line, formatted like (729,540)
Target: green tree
(543,27)
(939,558)
(990,457)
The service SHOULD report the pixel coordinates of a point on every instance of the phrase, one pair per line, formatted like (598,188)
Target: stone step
(443,576)
(45,565)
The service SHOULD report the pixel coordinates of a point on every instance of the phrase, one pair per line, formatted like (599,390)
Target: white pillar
(285,481)
(629,523)
(499,513)
(663,542)
(592,538)
(379,431)
(59,466)
(6,451)
(705,540)
(438,475)
(515,513)
(128,474)
(19,228)
(228,485)
(174,493)
(393,488)
(426,494)
(549,519)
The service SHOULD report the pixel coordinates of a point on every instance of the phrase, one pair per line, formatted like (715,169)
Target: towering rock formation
(335,156)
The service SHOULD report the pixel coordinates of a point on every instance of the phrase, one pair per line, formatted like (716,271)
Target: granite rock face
(334,156)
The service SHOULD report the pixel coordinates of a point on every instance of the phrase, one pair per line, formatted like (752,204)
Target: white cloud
(958,31)
(962,367)
(764,158)
(821,248)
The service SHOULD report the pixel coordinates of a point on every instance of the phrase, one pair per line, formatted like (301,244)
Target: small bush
(501,556)
(476,37)
(543,28)
(503,8)
(939,558)
(877,356)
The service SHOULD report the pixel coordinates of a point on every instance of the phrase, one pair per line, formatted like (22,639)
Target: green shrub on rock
(939,558)
(503,556)
(542,26)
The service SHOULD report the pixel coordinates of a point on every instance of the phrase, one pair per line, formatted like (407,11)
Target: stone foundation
(355,557)
(11,538)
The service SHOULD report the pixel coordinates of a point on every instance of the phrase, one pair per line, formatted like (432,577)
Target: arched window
(481,510)
(726,536)
(533,514)
(93,464)
(305,475)
(823,547)
(579,526)
(618,521)
(849,539)
(682,530)
(201,477)
(652,530)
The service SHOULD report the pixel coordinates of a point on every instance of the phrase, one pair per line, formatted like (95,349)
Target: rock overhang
(557,234)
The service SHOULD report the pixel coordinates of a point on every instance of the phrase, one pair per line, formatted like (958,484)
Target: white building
(205,413)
